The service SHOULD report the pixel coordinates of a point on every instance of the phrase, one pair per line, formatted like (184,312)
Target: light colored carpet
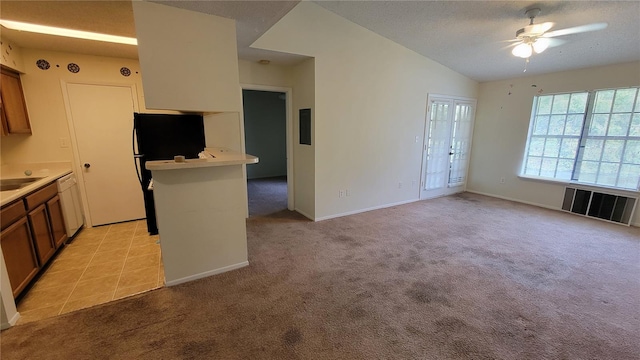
(461,277)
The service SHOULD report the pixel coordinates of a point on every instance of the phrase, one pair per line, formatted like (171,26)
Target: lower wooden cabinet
(56,220)
(32,229)
(41,233)
(19,255)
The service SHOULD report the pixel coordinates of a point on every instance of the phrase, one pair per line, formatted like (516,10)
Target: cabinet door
(14,107)
(19,255)
(40,229)
(3,120)
(56,219)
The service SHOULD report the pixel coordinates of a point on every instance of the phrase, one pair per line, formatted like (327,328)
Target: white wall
(11,55)
(224,130)
(370,102)
(257,74)
(45,103)
(304,155)
(8,312)
(189,59)
(502,123)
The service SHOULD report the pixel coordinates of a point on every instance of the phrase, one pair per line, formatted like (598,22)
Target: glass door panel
(448,134)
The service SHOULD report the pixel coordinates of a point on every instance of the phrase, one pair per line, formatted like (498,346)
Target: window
(586,137)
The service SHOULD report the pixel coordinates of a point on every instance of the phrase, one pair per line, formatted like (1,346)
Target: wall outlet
(417,138)
(341,193)
(400,185)
(502,180)
(347,193)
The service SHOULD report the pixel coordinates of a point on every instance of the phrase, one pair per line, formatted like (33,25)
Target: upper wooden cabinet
(13,109)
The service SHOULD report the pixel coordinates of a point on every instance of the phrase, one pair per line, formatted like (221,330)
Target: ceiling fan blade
(577,29)
(538,29)
(556,42)
(511,45)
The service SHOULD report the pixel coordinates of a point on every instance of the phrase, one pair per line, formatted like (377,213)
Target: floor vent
(600,205)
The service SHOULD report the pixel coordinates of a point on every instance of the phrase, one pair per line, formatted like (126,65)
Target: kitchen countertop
(215,157)
(48,172)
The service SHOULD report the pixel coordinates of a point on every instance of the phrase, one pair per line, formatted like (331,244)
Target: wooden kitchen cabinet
(47,223)
(3,120)
(56,220)
(17,247)
(41,232)
(14,116)
(32,231)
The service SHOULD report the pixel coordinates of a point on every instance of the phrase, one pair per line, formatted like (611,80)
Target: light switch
(64,142)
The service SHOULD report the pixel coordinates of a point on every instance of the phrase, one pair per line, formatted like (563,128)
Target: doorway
(448,131)
(101,123)
(266,136)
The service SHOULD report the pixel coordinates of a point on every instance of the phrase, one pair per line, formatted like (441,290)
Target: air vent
(599,205)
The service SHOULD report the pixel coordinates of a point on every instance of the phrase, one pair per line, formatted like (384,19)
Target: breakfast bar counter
(211,157)
(201,207)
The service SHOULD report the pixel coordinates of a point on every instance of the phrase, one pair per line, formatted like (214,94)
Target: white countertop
(48,172)
(215,157)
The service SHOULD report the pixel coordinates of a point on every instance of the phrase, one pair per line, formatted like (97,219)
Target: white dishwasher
(70,201)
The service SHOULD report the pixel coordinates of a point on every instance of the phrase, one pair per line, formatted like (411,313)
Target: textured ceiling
(466,36)
(108,17)
(469,36)
(253,18)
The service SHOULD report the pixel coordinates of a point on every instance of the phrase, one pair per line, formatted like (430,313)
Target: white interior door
(102,117)
(447,145)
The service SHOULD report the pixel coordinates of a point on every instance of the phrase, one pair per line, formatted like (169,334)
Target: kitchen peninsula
(201,206)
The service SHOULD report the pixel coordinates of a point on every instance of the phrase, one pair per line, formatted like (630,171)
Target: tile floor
(101,264)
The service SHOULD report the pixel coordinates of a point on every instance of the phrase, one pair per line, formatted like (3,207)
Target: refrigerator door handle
(136,156)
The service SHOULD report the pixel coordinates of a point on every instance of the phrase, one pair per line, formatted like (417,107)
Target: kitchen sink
(15,184)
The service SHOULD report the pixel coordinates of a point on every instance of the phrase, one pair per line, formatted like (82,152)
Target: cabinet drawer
(41,196)
(11,213)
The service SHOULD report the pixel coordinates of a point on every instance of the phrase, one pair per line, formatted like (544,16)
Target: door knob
(87,165)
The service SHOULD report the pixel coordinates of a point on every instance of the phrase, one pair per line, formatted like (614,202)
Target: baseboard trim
(11,322)
(514,200)
(365,210)
(206,274)
(533,204)
(304,214)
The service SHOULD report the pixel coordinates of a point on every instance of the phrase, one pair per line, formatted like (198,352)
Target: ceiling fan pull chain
(526,63)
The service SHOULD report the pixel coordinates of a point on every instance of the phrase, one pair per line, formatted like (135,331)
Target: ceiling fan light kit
(522,50)
(536,38)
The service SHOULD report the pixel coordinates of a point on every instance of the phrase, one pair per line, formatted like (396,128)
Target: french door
(448,130)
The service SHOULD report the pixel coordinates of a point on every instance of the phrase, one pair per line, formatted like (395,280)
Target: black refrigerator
(161,137)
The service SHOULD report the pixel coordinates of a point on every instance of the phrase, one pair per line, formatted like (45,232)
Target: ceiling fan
(537,37)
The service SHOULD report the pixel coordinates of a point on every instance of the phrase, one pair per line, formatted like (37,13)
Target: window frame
(587,119)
